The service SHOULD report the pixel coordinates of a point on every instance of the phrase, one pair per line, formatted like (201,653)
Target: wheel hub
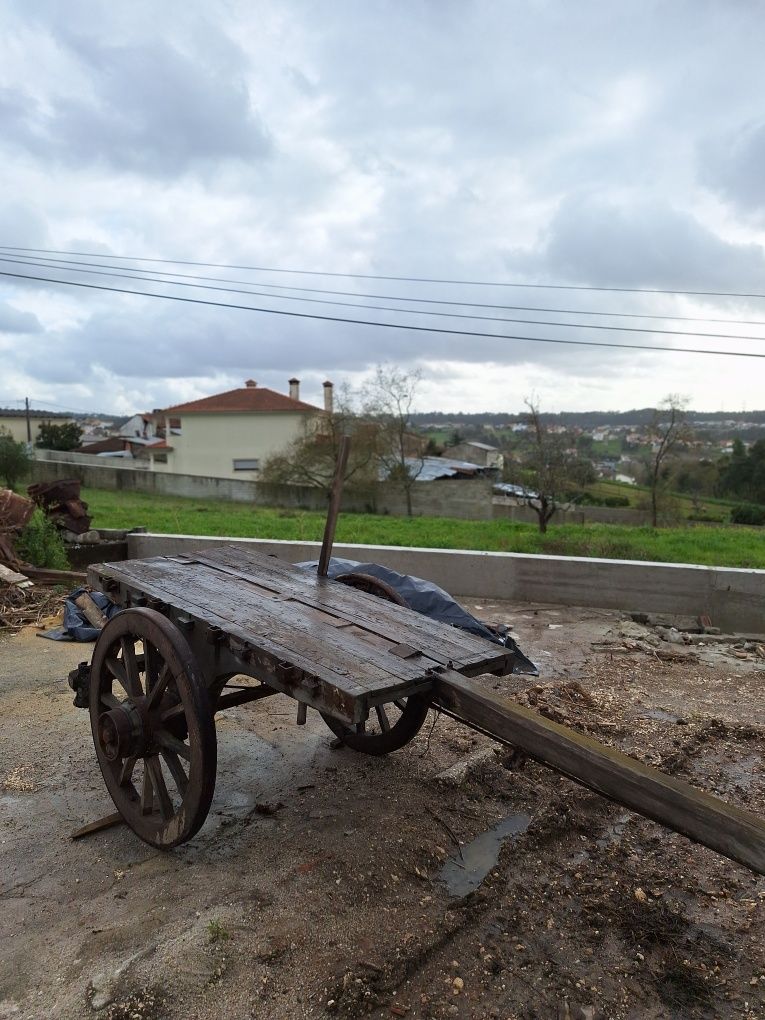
(121,732)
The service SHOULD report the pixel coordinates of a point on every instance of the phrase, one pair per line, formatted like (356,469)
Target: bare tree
(389,401)
(668,429)
(546,462)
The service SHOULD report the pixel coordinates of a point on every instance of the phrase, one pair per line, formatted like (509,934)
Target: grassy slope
(735,547)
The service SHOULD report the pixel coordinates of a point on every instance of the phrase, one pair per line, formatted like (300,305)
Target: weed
(216,932)
(42,545)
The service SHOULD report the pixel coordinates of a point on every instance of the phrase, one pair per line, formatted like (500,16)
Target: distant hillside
(584,419)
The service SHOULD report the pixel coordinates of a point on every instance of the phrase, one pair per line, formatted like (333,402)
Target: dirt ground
(315,887)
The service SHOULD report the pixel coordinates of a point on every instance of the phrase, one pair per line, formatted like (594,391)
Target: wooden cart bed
(351,644)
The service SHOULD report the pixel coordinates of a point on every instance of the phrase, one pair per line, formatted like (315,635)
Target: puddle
(462,874)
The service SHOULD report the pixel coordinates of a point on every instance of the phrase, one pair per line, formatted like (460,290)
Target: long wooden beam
(731,831)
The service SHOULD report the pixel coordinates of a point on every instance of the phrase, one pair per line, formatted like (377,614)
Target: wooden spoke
(159,687)
(167,740)
(109,699)
(153,665)
(160,786)
(400,705)
(175,768)
(117,669)
(130,667)
(147,793)
(126,773)
(173,713)
(382,718)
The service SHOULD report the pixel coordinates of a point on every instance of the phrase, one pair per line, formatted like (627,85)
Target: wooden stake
(334,506)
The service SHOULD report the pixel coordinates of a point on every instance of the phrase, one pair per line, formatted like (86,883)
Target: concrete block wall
(733,598)
(469,499)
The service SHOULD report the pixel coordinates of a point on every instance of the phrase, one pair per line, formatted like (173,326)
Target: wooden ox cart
(163,667)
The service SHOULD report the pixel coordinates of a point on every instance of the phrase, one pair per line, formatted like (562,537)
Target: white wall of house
(209,444)
(17,426)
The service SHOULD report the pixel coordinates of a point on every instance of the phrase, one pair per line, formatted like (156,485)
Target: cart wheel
(152,727)
(389,728)
(394,724)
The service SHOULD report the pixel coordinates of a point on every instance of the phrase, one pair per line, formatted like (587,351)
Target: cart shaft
(731,831)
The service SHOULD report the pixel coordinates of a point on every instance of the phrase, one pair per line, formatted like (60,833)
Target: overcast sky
(589,144)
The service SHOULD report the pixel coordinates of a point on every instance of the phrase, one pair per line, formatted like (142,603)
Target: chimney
(328,402)
(294,389)
(250,384)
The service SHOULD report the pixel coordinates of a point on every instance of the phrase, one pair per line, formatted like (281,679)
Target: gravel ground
(316,886)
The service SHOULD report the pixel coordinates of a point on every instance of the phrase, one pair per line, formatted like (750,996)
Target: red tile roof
(252,399)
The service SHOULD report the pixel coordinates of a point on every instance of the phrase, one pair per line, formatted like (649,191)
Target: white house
(231,434)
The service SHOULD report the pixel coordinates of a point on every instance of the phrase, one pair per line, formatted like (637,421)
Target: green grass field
(734,547)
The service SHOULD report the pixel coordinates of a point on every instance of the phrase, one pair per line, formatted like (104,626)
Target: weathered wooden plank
(343,658)
(439,641)
(209,618)
(731,831)
(284,622)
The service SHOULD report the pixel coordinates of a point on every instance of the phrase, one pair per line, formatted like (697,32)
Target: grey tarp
(76,627)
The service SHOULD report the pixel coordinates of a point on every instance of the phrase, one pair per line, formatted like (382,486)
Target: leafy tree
(743,475)
(59,437)
(14,459)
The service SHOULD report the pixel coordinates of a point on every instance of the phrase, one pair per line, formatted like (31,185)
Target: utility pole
(29,424)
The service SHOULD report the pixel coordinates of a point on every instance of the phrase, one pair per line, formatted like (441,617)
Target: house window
(160,458)
(247,464)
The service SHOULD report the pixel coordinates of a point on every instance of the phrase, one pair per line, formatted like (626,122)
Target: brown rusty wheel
(394,724)
(152,726)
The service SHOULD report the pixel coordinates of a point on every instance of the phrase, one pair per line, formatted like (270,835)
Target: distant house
(231,434)
(15,422)
(477,453)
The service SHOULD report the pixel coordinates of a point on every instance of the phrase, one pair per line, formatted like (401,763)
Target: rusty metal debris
(60,501)
(15,510)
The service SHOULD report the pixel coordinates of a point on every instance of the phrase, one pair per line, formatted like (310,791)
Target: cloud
(14,321)
(475,141)
(733,166)
(591,240)
(148,109)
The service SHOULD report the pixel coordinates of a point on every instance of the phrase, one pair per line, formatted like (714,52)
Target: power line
(146,278)
(399,279)
(386,297)
(382,325)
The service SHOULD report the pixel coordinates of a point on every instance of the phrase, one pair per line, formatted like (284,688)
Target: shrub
(616,501)
(14,459)
(41,544)
(748,513)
